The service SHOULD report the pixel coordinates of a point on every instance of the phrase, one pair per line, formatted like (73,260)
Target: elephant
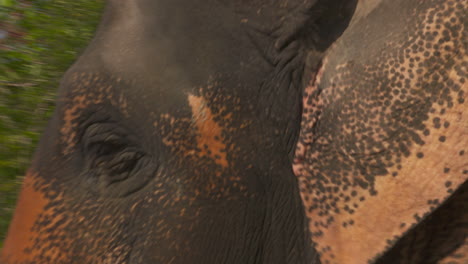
(262,131)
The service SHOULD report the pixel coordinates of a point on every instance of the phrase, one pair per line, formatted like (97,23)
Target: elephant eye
(114,164)
(106,146)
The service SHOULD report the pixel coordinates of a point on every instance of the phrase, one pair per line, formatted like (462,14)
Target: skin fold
(259,131)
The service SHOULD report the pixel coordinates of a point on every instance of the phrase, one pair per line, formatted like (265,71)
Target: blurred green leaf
(43,41)
(6,3)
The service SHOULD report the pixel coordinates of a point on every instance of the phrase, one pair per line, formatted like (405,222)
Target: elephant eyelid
(114,157)
(103,130)
(103,145)
(106,134)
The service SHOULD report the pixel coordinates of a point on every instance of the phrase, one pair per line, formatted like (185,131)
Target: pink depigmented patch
(209,133)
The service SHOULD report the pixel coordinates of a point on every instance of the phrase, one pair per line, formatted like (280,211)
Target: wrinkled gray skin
(263,131)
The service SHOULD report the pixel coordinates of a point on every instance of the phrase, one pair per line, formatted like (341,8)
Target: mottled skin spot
(209,133)
(30,205)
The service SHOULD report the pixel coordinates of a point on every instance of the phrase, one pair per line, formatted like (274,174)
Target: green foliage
(43,39)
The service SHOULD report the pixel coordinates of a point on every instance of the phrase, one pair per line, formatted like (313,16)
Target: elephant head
(300,131)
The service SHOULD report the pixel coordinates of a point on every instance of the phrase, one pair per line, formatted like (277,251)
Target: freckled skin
(30,204)
(380,133)
(255,132)
(209,133)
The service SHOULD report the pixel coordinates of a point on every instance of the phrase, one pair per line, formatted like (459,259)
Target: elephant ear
(384,134)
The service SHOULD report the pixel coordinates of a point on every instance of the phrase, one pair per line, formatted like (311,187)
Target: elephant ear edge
(442,237)
(383,138)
